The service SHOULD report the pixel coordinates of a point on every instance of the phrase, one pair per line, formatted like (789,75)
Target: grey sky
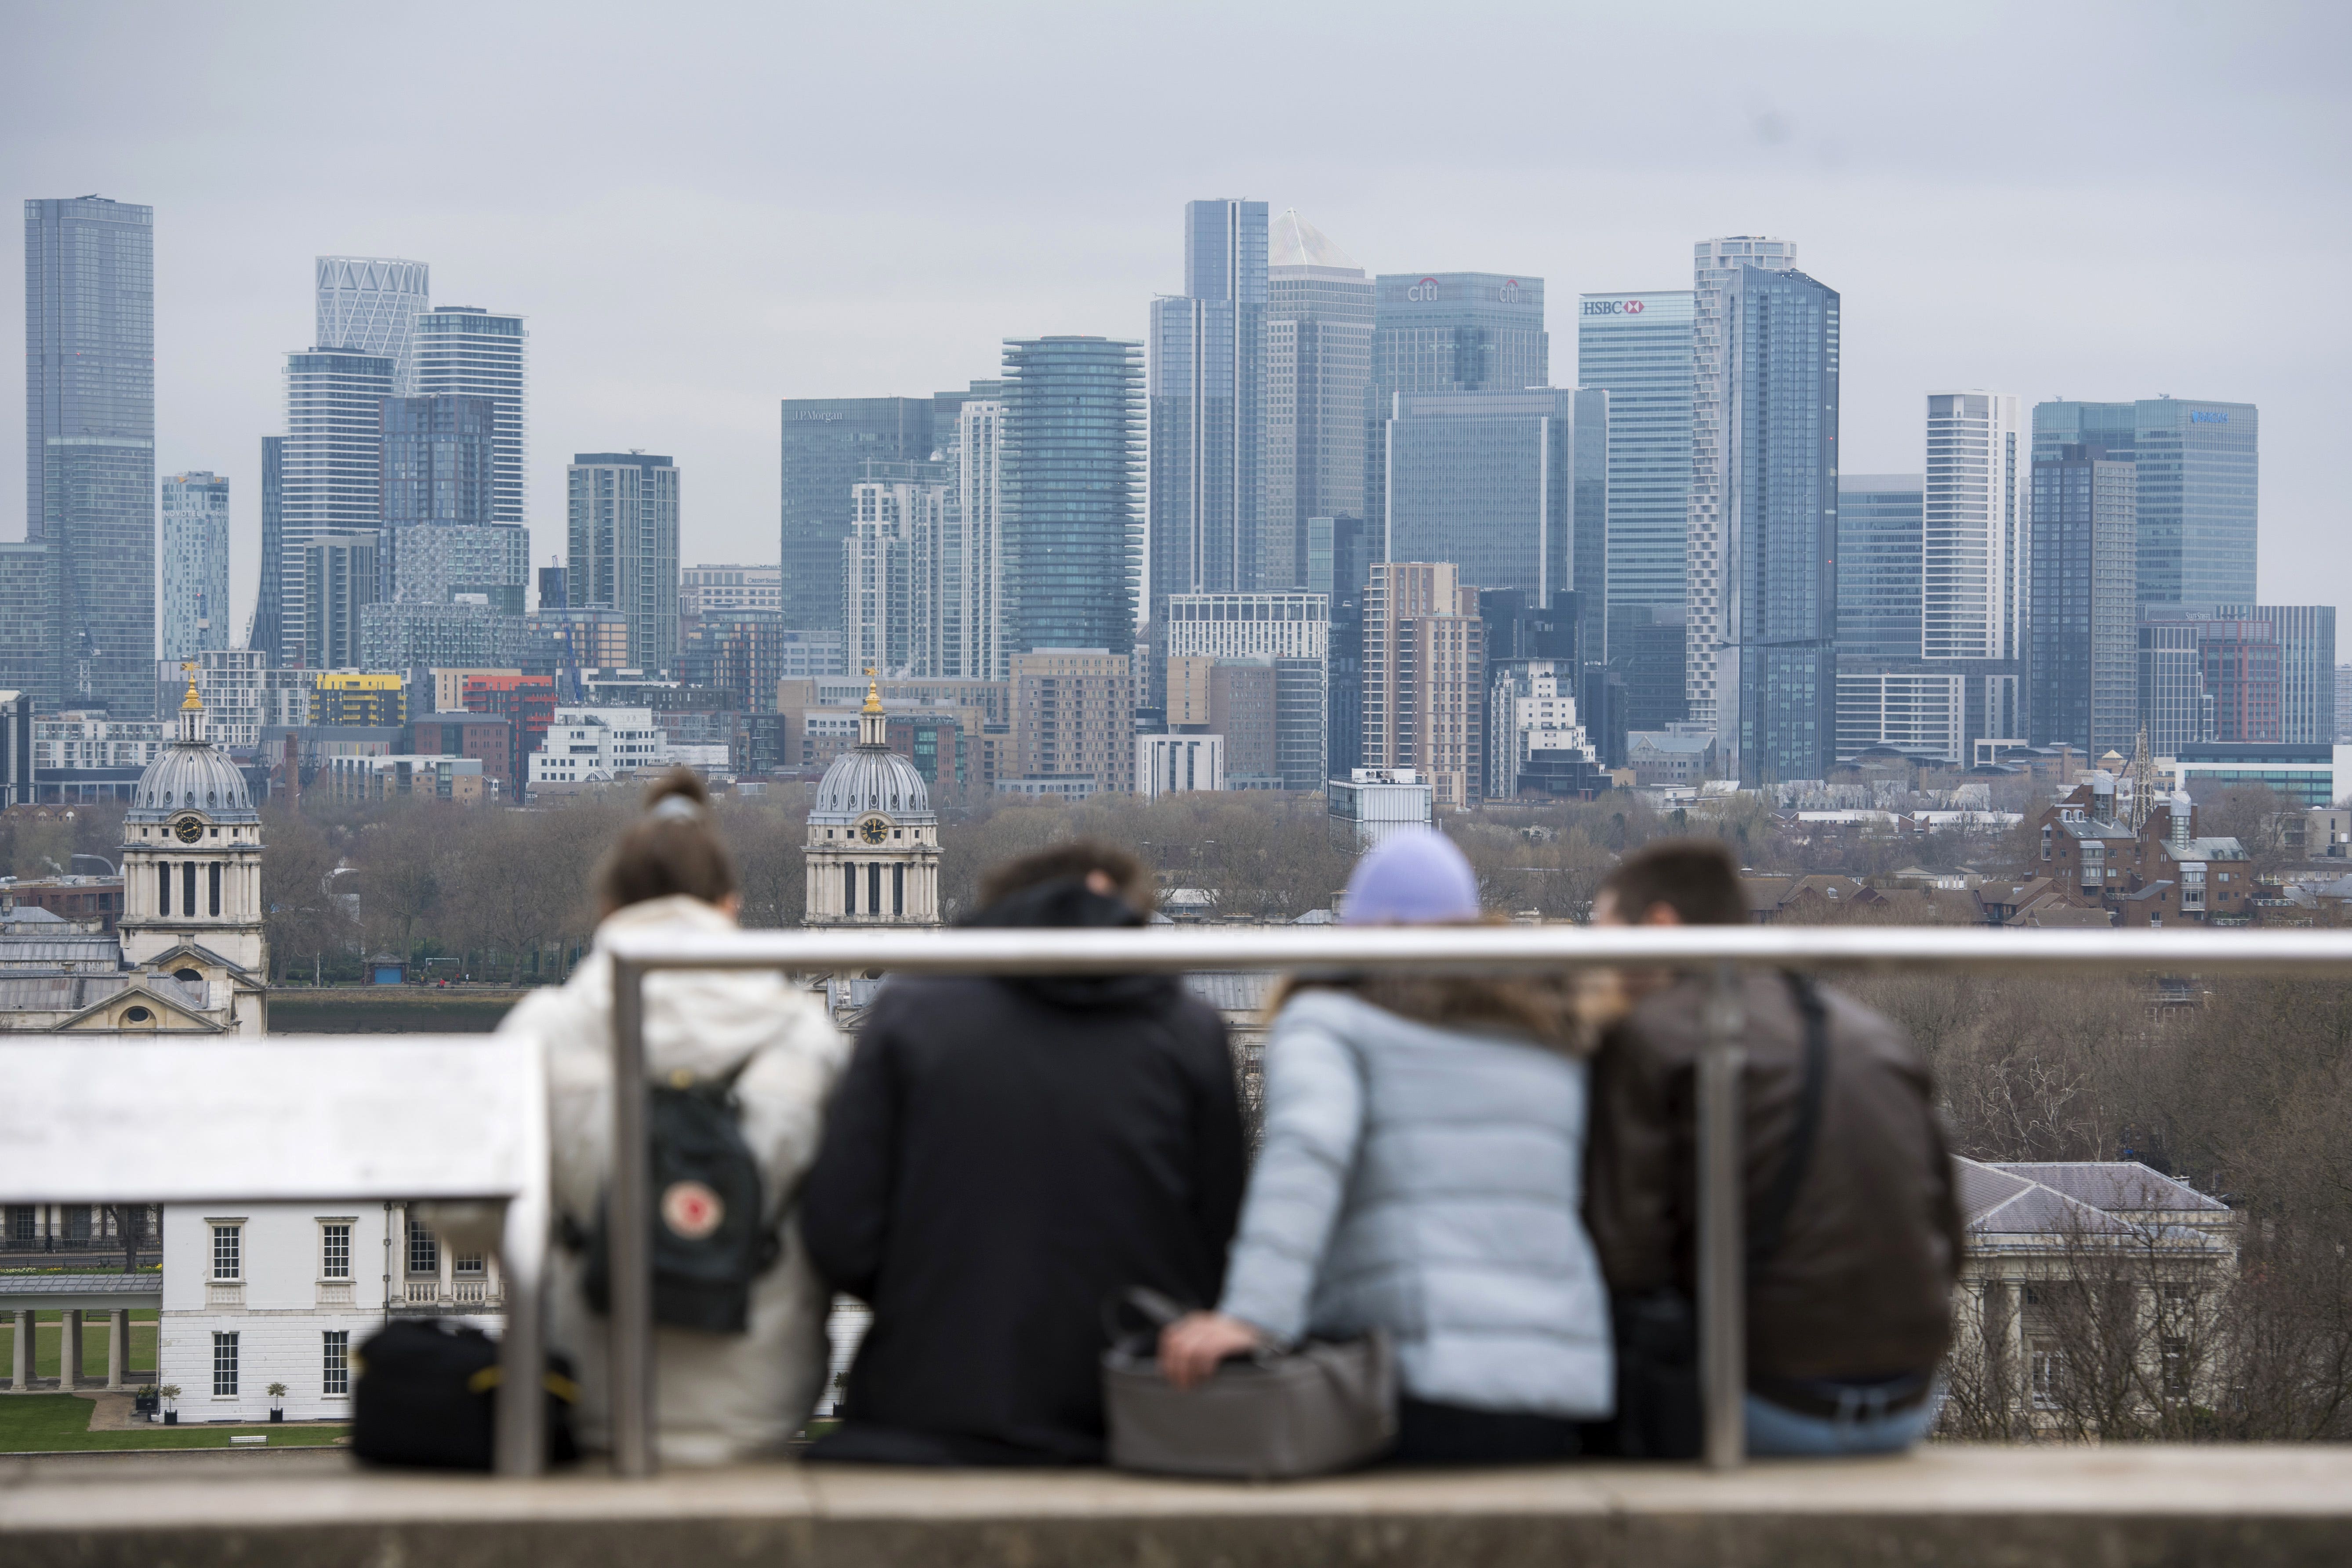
(705,208)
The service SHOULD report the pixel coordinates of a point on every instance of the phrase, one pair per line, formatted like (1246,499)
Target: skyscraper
(463,351)
(440,490)
(891,567)
(1449,331)
(2083,657)
(970,642)
(1708,561)
(1073,476)
(1879,565)
(826,442)
(1424,678)
(2198,487)
(623,510)
(1207,378)
(332,466)
(1972,555)
(1319,366)
(1776,667)
(267,633)
(1637,348)
(195,564)
(2307,673)
(1511,487)
(340,576)
(370,304)
(90,438)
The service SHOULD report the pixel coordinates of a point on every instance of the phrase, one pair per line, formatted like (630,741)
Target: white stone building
(596,745)
(1527,711)
(873,853)
(1175,764)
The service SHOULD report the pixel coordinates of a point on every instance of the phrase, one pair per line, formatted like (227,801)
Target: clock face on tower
(873,830)
(189,830)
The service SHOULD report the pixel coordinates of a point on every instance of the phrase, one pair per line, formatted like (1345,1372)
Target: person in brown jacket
(1853,1225)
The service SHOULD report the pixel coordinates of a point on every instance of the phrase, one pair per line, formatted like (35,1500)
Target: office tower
(1424,678)
(2243,678)
(331,459)
(1290,634)
(1775,683)
(1073,719)
(439,487)
(2199,483)
(1207,386)
(826,442)
(2083,655)
(1318,368)
(195,564)
(889,566)
(554,594)
(1448,331)
(623,520)
(971,607)
(2343,703)
(1511,487)
(267,633)
(1340,562)
(462,351)
(370,304)
(1880,557)
(1072,477)
(2174,707)
(340,574)
(1651,644)
(1972,548)
(29,619)
(2308,691)
(1716,265)
(90,438)
(1637,349)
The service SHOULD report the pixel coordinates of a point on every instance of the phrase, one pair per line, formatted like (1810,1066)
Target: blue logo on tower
(2209,416)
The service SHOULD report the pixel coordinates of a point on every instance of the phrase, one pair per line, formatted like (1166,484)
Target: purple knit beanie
(1412,879)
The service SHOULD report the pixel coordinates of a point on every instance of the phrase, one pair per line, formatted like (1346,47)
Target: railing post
(629,1230)
(1722,1214)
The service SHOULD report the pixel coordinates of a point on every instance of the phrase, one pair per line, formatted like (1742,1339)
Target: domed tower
(872,842)
(192,868)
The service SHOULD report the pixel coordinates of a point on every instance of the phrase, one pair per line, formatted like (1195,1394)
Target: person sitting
(1003,1153)
(1420,1174)
(719,1396)
(1851,1269)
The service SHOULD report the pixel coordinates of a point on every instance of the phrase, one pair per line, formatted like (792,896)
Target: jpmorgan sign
(1614,307)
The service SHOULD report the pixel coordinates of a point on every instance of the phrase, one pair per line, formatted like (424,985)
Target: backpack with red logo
(709,1240)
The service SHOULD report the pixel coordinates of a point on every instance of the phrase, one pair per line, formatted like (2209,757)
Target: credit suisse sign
(1614,307)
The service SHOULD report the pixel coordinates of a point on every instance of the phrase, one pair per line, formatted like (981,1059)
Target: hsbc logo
(1422,291)
(1614,307)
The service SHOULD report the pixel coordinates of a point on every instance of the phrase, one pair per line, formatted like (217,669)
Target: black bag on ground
(425,1396)
(1659,1405)
(709,1241)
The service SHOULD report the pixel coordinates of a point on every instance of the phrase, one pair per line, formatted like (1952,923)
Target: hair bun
(679,793)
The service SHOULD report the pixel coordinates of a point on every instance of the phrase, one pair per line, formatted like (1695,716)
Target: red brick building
(2157,874)
(528,703)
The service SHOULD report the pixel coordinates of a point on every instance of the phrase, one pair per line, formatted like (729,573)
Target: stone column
(20,1362)
(441,1249)
(69,1351)
(118,1346)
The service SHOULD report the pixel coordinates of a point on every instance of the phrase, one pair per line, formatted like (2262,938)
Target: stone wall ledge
(2120,1507)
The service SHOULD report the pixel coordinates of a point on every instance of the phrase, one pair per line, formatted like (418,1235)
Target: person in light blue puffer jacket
(1422,1173)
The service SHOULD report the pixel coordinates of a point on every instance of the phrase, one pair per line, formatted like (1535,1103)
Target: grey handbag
(1322,1407)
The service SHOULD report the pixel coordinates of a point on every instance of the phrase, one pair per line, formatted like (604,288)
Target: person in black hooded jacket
(1001,1155)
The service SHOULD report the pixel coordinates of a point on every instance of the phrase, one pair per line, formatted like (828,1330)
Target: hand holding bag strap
(1765,1238)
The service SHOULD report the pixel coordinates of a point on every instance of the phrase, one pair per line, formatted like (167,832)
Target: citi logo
(1509,292)
(1422,291)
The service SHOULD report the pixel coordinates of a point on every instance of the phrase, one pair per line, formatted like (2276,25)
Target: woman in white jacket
(719,1396)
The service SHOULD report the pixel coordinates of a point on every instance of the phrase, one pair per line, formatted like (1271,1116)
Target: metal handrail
(1723,950)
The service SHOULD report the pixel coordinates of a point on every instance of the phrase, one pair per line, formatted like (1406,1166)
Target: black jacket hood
(1067,903)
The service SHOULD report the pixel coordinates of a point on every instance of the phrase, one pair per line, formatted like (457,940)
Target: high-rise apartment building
(462,351)
(1073,723)
(826,444)
(1775,560)
(1424,678)
(971,608)
(1339,564)
(1716,266)
(623,521)
(1973,556)
(2083,615)
(1637,349)
(90,441)
(1530,709)
(1289,632)
(1880,518)
(439,487)
(266,634)
(340,576)
(889,568)
(1319,366)
(331,466)
(1072,489)
(2198,487)
(2308,691)
(1448,331)
(1207,386)
(1511,487)
(195,556)
(370,304)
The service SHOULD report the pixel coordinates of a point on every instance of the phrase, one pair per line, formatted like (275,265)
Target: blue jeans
(1775,1430)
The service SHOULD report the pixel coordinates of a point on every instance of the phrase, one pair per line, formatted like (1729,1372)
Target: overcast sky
(705,208)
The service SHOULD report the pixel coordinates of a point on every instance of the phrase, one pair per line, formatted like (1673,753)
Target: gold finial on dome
(191,702)
(873,692)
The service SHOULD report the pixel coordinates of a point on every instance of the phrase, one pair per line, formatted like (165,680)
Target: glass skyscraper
(90,441)
(1878,564)
(1207,386)
(826,444)
(1319,366)
(1637,348)
(1778,665)
(623,515)
(195,564)
(2082,650)
(462,351)
(1449,331)
(1716,266)
(371,303)
(2199,486)
(1072,477)
(440,496)
(333,471)
(266,634)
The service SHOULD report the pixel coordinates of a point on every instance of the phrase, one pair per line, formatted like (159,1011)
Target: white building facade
(729,587)
(892,569)
(597,745)
(371,303)
(1529,711)
(77,739)
(1370,804)
(1177,764)
(194,562)
(873,851)
(1973,546)
(970,622)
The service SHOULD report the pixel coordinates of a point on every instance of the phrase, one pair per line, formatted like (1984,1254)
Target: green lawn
(49,1333)
(48,1423)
